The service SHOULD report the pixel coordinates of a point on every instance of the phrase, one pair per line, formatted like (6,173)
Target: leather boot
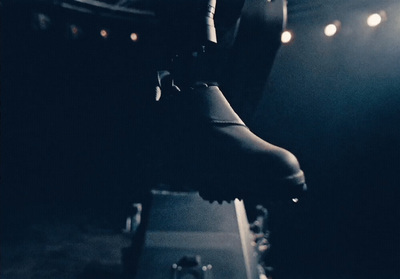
(207,147)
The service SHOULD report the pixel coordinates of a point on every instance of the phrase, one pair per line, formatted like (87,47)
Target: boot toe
(275,173)
(261,167)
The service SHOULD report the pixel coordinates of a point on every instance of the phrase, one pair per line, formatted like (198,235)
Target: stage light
(286,37)
(374,20)
(104,33)
(332,28)
(134,37)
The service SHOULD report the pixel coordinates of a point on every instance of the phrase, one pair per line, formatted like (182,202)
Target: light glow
(374,20)
(134,37)
(43,21)
(330,30)
(286,37)
(74,30)
(104,33)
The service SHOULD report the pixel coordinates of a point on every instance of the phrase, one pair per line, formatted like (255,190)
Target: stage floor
(54,244)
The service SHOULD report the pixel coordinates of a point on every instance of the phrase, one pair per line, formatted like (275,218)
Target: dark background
(72,144)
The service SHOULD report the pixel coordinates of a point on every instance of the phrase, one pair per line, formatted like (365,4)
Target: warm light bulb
(286,37)
(134,37)
(374,20)
(330,30)
(104,33)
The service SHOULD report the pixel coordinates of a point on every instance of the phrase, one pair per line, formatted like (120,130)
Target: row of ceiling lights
(331,29)
(43,23)
(75,32)
(104,33)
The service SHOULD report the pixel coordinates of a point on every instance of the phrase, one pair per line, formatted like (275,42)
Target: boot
(208,148)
